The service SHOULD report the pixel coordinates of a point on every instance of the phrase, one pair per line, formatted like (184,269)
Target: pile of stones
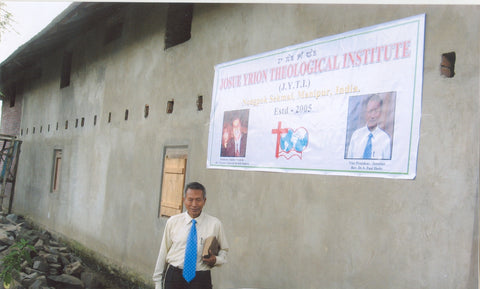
(53,263)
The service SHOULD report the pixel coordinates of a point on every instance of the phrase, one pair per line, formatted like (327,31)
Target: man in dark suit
(237,145)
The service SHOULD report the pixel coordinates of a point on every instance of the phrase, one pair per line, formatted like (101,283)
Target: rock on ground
(53,264)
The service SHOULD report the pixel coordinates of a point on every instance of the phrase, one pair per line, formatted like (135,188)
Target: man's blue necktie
(367,153)
(190,263)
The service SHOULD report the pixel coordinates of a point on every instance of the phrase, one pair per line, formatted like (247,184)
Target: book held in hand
(211,243)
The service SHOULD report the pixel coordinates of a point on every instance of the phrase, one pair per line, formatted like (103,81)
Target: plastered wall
(285,230)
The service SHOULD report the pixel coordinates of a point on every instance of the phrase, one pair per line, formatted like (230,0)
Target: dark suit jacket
(229,151)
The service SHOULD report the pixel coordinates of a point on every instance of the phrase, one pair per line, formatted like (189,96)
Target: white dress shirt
(174,241)
(380,144)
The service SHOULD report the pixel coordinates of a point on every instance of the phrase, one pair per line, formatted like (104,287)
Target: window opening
(170,106)
(200,103)
(146,111)
(66,69)
(57,164)
(447,66)
(173,181)
(179,24)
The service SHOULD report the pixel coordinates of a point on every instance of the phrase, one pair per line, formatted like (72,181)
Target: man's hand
(211,260)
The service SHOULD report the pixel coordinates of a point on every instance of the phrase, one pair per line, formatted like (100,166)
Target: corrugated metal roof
(75,19)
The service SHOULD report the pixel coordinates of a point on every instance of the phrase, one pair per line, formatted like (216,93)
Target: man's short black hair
(195,186)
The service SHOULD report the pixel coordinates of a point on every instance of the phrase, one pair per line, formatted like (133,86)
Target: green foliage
(12,262)
(6,19)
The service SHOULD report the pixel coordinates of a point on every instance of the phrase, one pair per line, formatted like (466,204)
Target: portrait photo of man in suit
(234,134)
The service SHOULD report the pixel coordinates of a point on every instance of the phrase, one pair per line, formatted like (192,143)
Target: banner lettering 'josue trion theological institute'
(348,104)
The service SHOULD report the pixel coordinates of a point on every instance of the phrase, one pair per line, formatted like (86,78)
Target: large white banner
(348,104)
